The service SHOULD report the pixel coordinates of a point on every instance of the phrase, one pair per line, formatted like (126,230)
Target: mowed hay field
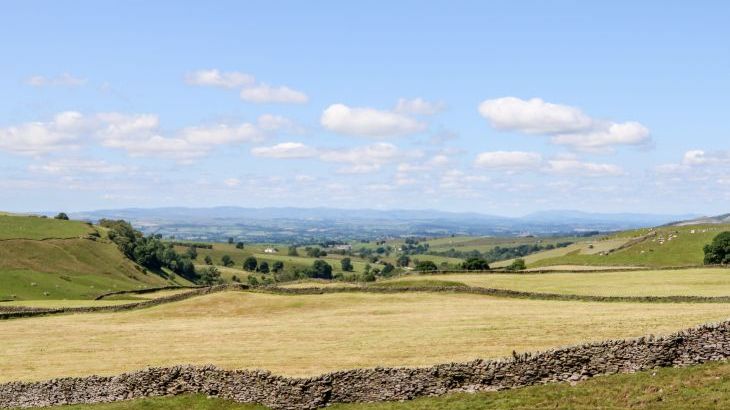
(307,335)
(674,282)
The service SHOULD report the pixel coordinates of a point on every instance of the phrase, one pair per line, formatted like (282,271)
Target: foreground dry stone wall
(688,347)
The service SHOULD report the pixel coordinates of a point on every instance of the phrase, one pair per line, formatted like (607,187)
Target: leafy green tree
(227,261)
(388,270)
(426,266)
(403,261)
(321,270)
(62,216)
(230,241)
(292,251)
(475,264)
(192,253)
(368,277)
(252,280)
(208,260)
(346,264)
(277,266)
(210,276)
(263,267)
(718,252)
(239,245)
(250,264)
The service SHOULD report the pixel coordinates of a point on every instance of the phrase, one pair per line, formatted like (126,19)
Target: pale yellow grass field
(306,335)
(679,282)
(318,284)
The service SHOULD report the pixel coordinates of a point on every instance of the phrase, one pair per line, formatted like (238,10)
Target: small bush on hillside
(253,281)
(263,267)
(62,216)
(475,264)
(227,261)
(239,245)
(277,267)
(426,266)
(518,264)
(208,260)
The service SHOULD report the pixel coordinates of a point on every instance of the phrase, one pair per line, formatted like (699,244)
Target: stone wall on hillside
(688,347)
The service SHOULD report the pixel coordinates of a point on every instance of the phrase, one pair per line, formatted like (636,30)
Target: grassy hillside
(33,267)
(306,335)
(697,387)
(30,227)
(660,247)
(679,282)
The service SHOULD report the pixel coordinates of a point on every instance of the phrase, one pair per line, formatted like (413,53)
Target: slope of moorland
(667,246)
(698,387)
(55,259)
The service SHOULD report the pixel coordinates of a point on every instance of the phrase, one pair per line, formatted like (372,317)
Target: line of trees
(148,251)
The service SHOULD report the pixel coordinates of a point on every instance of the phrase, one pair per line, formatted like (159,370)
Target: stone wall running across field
(688,347)
(13,312)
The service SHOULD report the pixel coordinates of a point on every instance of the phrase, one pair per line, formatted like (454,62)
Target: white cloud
(418,106)
(285,150)
(533,116)
(698,157)
(137,134)
(232,182)
(628,133)
(35,138)
(74,166)
(365,159)
(63,80)
(508,160)
(250,90)
(565,124)
(263,93)
(578,168)
(216,78)
(368,122)
(219,134)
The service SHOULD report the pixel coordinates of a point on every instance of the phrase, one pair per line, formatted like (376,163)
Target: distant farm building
(270,250)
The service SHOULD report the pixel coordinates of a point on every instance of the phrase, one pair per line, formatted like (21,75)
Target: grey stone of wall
(692,346)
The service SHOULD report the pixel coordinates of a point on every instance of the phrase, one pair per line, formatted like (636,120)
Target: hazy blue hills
(288,224)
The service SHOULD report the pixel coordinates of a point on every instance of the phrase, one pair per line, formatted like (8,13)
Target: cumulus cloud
(232,182)
(35,138)
(285,150)
(565,125)
(137,134)
(418,106)
(263,93)
(216,78)
(508,160)
(63,80)
(251,91)
(699,158)
(368,122)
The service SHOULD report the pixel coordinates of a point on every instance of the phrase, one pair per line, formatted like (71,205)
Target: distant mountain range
(310,224)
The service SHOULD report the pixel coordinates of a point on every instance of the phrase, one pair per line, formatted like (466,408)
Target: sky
(500,107)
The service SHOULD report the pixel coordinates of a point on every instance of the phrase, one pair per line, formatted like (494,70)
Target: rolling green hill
(78,263)
(658,247)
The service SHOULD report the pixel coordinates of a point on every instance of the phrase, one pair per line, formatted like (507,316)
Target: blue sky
(503,107)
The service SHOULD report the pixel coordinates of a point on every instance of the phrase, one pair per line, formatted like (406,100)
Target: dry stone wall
(688,347)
